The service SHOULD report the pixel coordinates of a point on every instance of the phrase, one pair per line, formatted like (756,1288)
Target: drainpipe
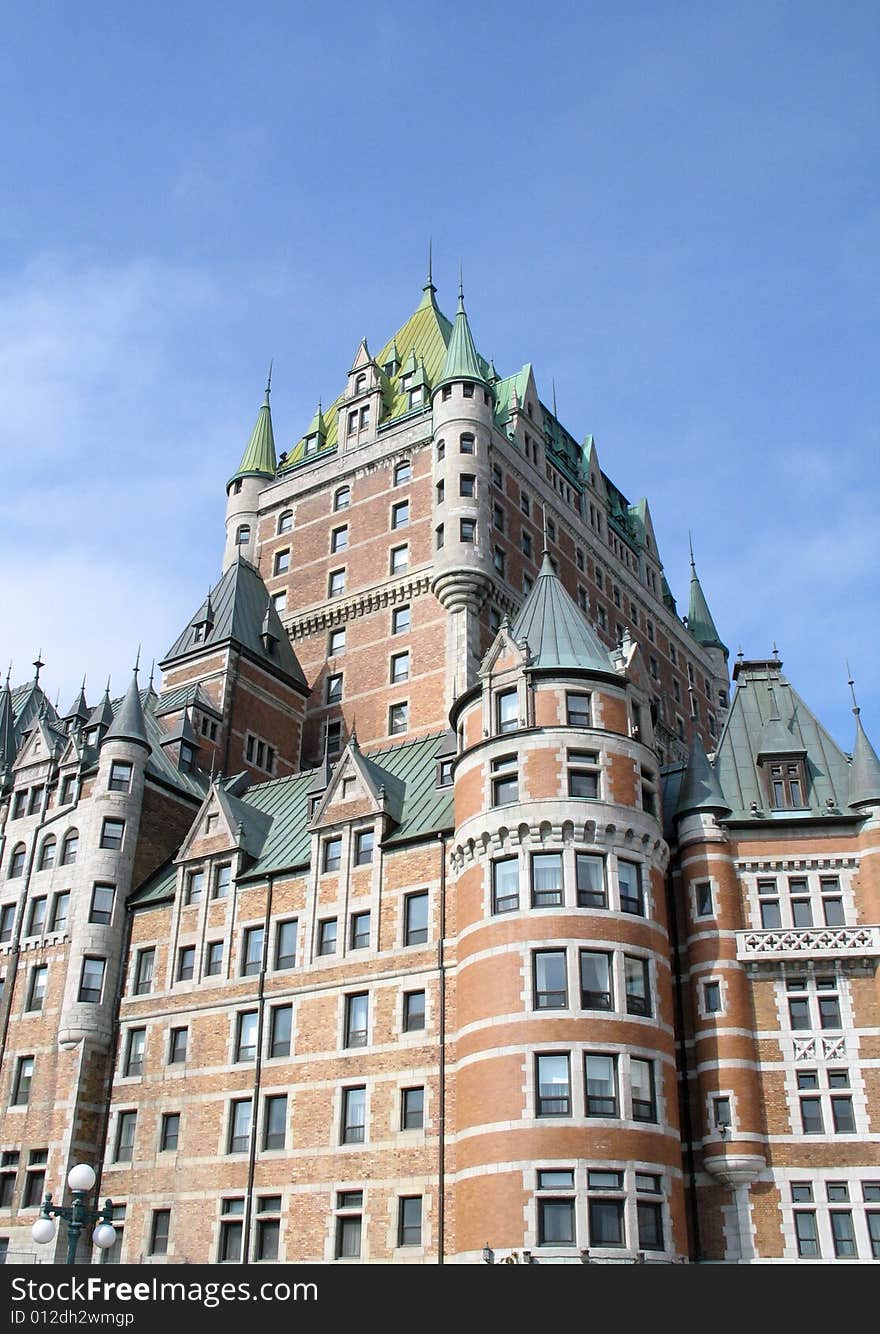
(685,1101)
(232,684)
(101,1141)
(258,1071)
(441,1146)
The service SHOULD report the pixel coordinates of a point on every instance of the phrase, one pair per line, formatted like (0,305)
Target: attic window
(444,773)
(187,758)
(417,396)
(406,381)
(311,448)
(198,634)
(360,384)
(788,786)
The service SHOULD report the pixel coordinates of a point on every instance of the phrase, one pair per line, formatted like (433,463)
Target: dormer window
(406,381)
(198,633)
(360,384)
(416,396)
(311,445)
(788,785)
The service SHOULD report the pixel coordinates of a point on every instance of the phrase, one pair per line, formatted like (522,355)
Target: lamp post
(81,1180)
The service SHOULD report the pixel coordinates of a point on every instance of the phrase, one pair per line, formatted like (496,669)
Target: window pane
(606,1222)
(554,1091)
(807,1236)
(590,881)
(416,919)
(556,1222)
(650,1217)
(551,991)
(638,987)
(601,1082)
(505,876)
(595,981)
(546,879)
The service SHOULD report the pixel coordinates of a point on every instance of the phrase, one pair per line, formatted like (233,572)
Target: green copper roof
(776,738)
(700,622)
(864,778)
(259,460)
(504,392)
(557,633)
(240,601)
(700,789)
(736,762)
(129,723)
(462,361)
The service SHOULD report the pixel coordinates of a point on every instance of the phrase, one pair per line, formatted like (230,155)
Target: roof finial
(269,380)
(740,654)
(460,287)
(137,661)
(553,383)
(775,651)
(691,546)
(852,690)
(9,675)
(107,686)
(152,670)
(38,664)
(543,530)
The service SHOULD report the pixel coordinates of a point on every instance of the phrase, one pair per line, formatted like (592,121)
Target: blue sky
(672,208)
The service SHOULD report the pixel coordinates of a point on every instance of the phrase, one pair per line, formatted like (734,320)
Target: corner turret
(258,466)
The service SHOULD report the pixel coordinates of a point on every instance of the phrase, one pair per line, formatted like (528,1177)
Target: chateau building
(442,897)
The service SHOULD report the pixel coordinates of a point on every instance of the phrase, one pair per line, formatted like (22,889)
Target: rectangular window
(413,1011)
(177,1044)
(550,983)
(21,1087)
(186,963)
(214,958)
(399,559)
(577,709)
(285,945)
(112,834)
(399,667)
(606,1222)
(644,1098)
(596,980)
(553,1081)
(842,1115)
(125,1128)
(721,1112)
(505,885)
(359,936)
(467,530)
(134,1051)
(582,781)
(400,514)
(275,1121)
(222,878)
(231,1232)
(37,917)
(590,871)
(36,993)
(703,892)
(555,1216)
(246,1024)
(400,620)
(637,979)
(843,1234)
(601,1085)
(409,1224)
(349,1224)
(398,719)
(412,1109)
(335,643)
(416,919)
(169,1138)
(467,484)
(102,904)
(357,1011)
(629,875)
(505,780)
(120,776)
(280,1030)
(547,890)
(282,562)
(336,583)
(240,1115)
(252,951)
(332,856)
(92,980)
(650,1221)
(829,1012)
(354,1115)
(333,688)
(327,935)
(807,1234)
(7,921)
(712,997)
(339,539)
(268,1231)
(507,710)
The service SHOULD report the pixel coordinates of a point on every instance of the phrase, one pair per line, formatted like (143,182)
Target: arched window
(285,521)
(16,861)
(70,847)
(47,854)
(243,535)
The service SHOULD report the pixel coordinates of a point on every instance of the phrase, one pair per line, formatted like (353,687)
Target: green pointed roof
(129,723)
(462,361)
(8,745)
(79,709)
(700,790)
(102,714)
(556,631)
(259,460)
(864,778)
(700,622)
(317,426)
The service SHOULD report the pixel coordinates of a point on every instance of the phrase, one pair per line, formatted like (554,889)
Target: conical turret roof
(79,709)
(700,790)
(700,622)
(7,729)
(102,714)
(259,459)
(556,631)
(864,780)
(129,723)
(462,362)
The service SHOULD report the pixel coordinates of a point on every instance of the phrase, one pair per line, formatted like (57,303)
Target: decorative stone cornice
(824,942)
(372,599)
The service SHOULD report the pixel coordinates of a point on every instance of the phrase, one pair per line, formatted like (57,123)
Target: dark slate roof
(184,697)
(558,634)
(158,888)
(700,622)
(129,723)
(700,789)
(736,760)
(79,708)
(864,787)
(239,601)
(102,714)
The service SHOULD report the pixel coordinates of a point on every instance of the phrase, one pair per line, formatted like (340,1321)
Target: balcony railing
(823,942)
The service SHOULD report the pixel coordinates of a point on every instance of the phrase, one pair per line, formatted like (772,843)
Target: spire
(700,790)
(79,709)
(864,778)
(462,362)
(38,664)
(556,632)
(494,377)
(102,714)
(7,729)
(259,458)
(129,723)
(699,620)
(428,288)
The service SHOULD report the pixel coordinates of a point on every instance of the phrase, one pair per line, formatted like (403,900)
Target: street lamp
(81,1180)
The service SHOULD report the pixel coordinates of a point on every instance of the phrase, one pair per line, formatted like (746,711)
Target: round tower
(566,1105)
(463,408)
(258,466)
(97,918)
